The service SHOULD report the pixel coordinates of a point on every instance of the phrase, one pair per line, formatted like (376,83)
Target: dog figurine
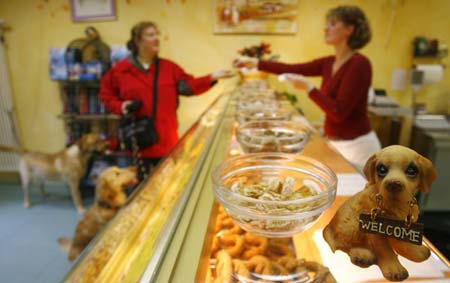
(68,165)
(395,173)
(110,196)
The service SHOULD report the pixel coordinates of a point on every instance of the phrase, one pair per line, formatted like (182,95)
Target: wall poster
(255,16)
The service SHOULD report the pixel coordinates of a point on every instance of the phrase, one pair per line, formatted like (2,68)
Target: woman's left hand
(298,81)
(221,74)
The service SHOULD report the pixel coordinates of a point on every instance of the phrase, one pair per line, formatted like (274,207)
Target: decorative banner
(255,16)
(391,228)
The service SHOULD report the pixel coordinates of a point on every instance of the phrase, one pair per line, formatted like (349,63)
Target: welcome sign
(391,228)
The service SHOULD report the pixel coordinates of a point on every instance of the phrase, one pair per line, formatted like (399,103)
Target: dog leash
(106,205)
(137,160)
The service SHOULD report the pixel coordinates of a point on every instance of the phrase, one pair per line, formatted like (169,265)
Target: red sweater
(342,96)
(127,80)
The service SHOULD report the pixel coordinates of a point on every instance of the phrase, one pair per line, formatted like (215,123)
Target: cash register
(391,122)
(379,98)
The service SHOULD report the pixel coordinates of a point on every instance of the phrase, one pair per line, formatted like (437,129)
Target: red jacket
(342,96)
(128,80)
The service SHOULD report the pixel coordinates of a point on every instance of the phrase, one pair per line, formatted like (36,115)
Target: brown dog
(68,165)
(109,197)
(396,173)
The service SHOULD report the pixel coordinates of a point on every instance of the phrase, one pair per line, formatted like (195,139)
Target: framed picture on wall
(255,16)
(92,10)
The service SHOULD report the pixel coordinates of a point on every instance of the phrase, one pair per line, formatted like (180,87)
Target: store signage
(391,228)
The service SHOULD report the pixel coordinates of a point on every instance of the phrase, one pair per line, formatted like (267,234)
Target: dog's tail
(65,243)
(12,149)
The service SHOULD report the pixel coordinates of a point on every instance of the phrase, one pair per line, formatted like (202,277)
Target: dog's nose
(394,185)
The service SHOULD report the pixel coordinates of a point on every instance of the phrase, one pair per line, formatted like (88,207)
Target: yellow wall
(187,39)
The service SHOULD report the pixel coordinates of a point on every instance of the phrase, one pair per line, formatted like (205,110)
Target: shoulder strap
(155,87)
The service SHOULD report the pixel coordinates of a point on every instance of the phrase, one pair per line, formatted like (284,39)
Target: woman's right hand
(124,106)
(297,80)
(130,106)
(245,62)
(221,74)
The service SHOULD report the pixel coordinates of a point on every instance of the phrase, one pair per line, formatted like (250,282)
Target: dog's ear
(106,187)
(369,168)
(101,183)
(81,142)
(427,173)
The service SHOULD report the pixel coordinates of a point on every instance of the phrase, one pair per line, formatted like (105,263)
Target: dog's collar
(379,211)
(106,205)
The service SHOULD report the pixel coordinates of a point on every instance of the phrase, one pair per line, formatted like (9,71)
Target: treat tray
(192,262)
(177,247)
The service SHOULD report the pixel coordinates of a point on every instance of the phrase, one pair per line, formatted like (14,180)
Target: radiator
(8,161)
(8,135)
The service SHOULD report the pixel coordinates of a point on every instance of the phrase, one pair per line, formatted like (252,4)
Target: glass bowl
(246,115)
(254,103)
(245,186)
(248,93)
(254,85)
(272,136)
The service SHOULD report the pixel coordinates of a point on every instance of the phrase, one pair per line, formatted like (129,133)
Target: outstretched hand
(299,81)
(221,74)
(245,62)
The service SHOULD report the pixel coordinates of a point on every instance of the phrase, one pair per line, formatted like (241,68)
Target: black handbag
(136,133)
(140,132)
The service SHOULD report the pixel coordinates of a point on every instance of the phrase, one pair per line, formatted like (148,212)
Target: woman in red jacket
(129,86)
(346,78)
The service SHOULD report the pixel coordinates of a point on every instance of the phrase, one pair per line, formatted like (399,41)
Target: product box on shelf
(118,52)
(57,64)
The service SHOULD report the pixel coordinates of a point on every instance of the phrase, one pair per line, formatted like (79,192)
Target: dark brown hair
(354,16)
(136,33)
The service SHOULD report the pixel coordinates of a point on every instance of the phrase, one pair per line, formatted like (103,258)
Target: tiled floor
(29,250)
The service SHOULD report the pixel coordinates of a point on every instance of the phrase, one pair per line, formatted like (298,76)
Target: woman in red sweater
(346,78)
(128,87)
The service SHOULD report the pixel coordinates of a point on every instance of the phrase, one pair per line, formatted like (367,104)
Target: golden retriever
(109,197)
(396,173)
(68,165)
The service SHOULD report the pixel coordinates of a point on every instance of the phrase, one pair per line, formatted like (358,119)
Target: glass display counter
(138,237)
(167,230)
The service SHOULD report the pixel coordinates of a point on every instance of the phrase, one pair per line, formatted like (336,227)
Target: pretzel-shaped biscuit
(260,264)
(232,228)
(240,269)
(257,245)
(215,246)
(278,269)
(232,243)
(219,221)
(322,272)
(289,262)
(277,250)
(224,267)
